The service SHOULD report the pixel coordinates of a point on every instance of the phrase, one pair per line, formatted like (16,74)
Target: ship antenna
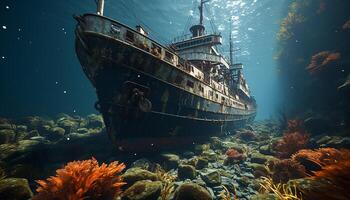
(201,11)
(100,7)
(231,45)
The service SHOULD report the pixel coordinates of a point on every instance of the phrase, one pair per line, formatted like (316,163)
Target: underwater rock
(259,170)
(23,146)
(247,135)
(259,158)
(142,163)
(186,172)
(55,133)
(267,196)
(82,130)
(68,124)
(95,121)
(266,149)
(133,175)
(15,189)
(201,163)
(143,190)
(170,161)
(210,155)
(7,136)
(211,178)
(193,191)
(337,142)
(216,143)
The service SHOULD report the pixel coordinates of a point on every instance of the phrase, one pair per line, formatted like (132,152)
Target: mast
(100,7)
(198,30)
(231,46)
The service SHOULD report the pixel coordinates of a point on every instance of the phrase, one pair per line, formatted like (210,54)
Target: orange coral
(284,170)
(233,153)
(333,182)
(321,60)
(290,143)
(314,160)
(82,180)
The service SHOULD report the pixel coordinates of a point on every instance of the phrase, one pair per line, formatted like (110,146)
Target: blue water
(40,74)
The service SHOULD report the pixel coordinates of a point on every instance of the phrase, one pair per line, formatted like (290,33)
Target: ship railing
(190,36)
(206,57)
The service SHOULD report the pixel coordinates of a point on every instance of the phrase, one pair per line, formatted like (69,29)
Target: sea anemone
(346,25)
(80,180)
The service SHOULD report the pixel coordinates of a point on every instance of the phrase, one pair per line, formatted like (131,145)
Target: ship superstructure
(147,90)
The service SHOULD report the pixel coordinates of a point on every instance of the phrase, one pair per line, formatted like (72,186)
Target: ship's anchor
(141,101)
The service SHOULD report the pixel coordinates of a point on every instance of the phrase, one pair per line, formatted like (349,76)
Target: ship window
(210,93)
(178,79)
(216,96)
(130,36)
(169,56)
(223,99)
(201,89)
(190,84)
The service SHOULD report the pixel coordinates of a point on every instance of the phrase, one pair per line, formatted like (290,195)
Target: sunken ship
(147,90)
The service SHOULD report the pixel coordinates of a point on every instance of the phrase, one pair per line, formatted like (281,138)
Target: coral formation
(314,159)
(284,170)
(233,156)
(321,60)
(82,180)
(290,143)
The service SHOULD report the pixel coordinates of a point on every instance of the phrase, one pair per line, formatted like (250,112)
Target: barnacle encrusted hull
(138,94)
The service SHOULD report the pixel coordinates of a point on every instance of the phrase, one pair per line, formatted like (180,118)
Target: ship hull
(119,72)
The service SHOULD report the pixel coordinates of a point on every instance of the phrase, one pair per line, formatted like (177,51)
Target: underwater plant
(168,183)
(281,191)
(84,179)
(284,170)
(320,60)
(226,195)
(290,143)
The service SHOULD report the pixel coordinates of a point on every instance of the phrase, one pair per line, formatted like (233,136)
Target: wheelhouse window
(190,84)
(130,36)
(178,80)
(169,56)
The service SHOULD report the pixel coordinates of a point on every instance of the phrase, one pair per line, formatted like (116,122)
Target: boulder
(192,191)
(170,161)
(143,190)
(68,124)
(201,163)
(258,158)
(7,136)
(15,189)
(55,133)
(95,121)
(135,174)
(212,178)
(186,172)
